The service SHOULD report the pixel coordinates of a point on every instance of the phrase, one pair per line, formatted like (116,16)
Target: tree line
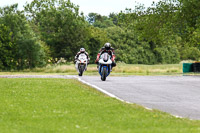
(46,30)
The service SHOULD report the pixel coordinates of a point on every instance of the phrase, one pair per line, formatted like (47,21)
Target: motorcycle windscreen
(82,57)
(105,57)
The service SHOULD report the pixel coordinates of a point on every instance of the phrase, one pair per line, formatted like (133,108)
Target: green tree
(26,48)
(97,39)
(60,25)
(6,46)
(128,48)
(97,20)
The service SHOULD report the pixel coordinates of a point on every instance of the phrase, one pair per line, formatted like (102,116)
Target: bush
(192,53)
(20,47)
(167,55)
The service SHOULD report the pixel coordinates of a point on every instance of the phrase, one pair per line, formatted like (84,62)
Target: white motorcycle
(105,63)
(81,64)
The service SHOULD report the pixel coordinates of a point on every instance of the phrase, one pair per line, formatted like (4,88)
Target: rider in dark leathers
(107,48)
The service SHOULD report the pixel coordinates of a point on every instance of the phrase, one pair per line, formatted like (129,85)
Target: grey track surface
(177,95)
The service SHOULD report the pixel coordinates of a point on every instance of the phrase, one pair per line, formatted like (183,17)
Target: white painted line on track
(148,108)
(105,92)
(177,116)
(111,95)
(181,117)
(98,88)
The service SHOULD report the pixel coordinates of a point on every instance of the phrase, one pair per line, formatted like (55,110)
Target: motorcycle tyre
(104,73)
(81,71)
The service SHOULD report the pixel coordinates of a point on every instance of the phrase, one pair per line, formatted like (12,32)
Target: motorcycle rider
(107,48)
(82,51)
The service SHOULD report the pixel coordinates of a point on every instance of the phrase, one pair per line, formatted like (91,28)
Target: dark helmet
(107,45)
(82,50)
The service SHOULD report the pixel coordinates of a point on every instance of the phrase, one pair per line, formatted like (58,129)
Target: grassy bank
(120,69)
(60,105)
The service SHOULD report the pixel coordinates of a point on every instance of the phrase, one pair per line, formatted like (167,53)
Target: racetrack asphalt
(177,95)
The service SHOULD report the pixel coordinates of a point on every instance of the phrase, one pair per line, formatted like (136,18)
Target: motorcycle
(81,64)
(104,65)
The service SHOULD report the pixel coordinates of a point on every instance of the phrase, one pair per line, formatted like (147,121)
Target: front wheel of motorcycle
(104,73)
(81,71)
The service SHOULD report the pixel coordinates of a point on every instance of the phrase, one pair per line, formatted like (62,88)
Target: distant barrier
(191,67)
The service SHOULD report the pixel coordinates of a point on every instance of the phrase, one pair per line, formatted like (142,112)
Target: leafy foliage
(6,46)
(22,49)
(60,25)
(167,32)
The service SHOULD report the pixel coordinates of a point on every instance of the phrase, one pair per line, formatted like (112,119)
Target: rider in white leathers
(82,51)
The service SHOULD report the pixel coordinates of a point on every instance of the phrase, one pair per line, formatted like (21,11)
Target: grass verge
(120,70)
(66,105)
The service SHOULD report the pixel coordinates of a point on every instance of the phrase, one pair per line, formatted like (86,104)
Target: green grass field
(68,106)
(120,70)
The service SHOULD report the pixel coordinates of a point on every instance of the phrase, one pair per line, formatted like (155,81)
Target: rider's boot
(97,67)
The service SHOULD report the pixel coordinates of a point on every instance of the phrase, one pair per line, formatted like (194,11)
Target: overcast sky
(103,7)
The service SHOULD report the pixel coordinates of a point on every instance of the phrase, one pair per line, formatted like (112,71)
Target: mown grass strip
(120,70)
(66,105)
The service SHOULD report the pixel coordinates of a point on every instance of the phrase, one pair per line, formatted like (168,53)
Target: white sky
(103,7)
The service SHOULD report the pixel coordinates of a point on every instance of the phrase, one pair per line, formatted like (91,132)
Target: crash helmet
(107,45)
(82,50)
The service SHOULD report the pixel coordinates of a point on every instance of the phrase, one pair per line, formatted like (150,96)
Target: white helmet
(82,50)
